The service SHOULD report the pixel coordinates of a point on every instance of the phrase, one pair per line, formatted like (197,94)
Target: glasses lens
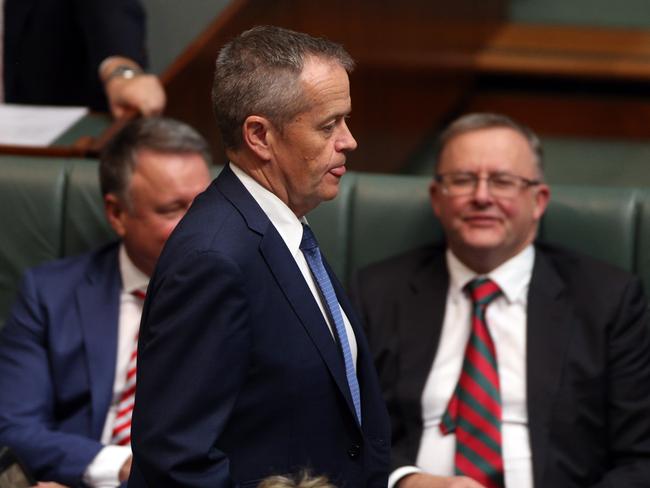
(459,183)
(503,184)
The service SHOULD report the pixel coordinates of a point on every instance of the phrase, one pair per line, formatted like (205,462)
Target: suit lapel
(548,331)
(420,319)
(290,279)
(299,296)
(98,302)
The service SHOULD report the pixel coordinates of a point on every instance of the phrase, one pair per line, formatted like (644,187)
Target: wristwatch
(124,71)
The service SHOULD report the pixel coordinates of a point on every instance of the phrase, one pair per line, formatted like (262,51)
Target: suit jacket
(588,361)
(238,374)
(53,48)
(57,364)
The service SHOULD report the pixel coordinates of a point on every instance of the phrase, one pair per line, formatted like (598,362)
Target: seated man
(504,362)
(67,344)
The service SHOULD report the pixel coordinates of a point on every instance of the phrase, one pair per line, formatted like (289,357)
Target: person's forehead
(163,170)
(491,144)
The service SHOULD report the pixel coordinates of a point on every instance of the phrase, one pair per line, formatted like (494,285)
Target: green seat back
(84,223)
(31,209)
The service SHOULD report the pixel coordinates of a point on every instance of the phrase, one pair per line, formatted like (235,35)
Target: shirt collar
(281,216)
(512,277)
(132,278)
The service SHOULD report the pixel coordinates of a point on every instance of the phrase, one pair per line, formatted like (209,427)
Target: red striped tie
(474,410)
(122,426)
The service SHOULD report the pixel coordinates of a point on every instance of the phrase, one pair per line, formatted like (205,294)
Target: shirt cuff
(399,473)
(104,470)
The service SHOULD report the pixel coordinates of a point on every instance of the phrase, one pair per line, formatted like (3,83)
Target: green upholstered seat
(84,222)
(599,221)
(31,209)
(52,208)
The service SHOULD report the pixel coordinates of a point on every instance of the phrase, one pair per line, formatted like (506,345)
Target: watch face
(122,71)
(128,73)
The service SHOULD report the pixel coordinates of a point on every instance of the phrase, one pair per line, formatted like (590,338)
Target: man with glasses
(504,362)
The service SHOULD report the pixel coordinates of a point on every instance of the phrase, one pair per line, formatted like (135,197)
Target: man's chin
(482,240)
(329,191)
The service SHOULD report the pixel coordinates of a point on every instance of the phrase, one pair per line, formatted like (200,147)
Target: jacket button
(354,451)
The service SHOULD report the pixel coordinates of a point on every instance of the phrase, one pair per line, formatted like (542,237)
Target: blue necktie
(309,247)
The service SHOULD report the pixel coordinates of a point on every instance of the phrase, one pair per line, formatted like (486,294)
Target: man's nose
(482,191)
(346,141)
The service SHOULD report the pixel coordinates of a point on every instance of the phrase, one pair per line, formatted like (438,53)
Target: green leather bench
(382,215)
(51,208)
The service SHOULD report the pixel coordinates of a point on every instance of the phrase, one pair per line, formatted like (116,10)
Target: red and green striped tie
(474,410)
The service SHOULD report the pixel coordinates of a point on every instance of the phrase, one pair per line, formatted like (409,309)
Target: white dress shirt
(506,321)
(290,229)
(104,470)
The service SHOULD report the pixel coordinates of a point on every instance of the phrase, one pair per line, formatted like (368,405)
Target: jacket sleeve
(628,399)
(192,360)
(113,27)
(28,408)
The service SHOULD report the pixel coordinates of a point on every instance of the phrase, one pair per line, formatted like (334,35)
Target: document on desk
(35,125)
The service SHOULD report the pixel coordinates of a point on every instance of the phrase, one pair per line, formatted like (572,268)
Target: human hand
(423,480)
(143,94)
(49,484)
(125,470)
(140,94)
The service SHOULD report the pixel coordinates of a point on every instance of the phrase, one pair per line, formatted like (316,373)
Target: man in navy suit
(65,348)
(247,367)
(570,336)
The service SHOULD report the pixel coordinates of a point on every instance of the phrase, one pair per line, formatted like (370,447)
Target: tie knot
(482,291)
(308,241)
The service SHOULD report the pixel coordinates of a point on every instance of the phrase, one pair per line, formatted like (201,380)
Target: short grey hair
(476,121)
(257,73)
(118,160)
(303,480)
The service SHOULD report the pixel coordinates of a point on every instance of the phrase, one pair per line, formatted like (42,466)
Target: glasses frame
(523,182)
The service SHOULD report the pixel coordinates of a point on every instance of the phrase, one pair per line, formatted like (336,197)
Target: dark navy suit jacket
(57,364)
(52,48)
(238,374)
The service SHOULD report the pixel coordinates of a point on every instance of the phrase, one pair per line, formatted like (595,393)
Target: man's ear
(257,135)
(115,213)
(542,197)
(434,196)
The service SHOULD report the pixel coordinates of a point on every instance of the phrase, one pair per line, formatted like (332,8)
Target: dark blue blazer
(57,364)
(238,374)
(52,48)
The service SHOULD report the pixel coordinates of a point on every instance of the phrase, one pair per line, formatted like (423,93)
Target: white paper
(34,125)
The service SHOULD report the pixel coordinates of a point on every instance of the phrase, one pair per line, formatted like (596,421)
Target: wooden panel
(601,116)
(421,63)
(576,52)
(393,106)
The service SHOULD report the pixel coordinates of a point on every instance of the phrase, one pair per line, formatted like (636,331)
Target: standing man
(251,362)
(66,348)
(504,362)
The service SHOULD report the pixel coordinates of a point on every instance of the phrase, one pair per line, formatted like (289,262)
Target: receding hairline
(276,55)
(475,122)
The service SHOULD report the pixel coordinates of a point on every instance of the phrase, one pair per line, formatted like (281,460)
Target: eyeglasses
(500,185)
